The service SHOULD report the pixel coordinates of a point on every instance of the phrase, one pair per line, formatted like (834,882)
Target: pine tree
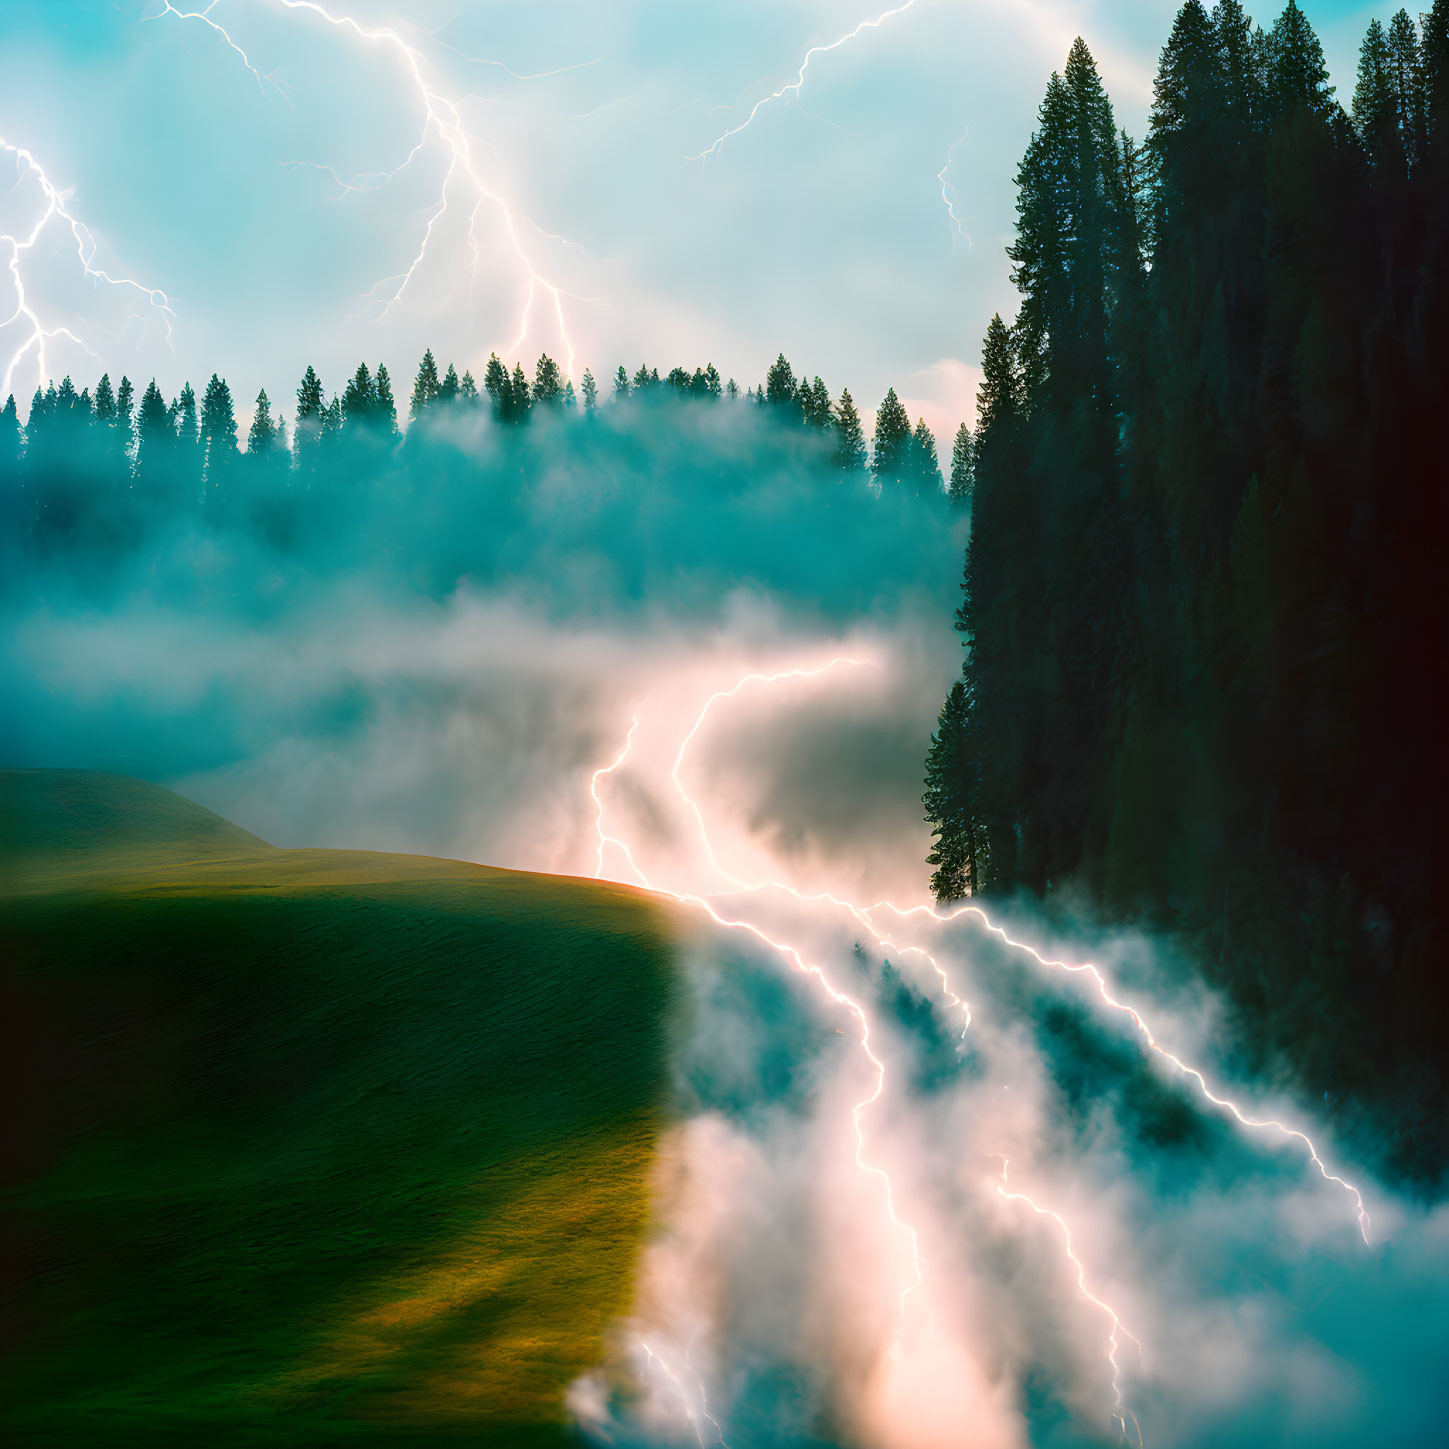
(570,398)
(891,456)
(815,408)
(621,384)
(449,387)
(425,387)
(468,389)
(1376,106)
(154,436)
(925,464)
(311,405)
(851,456)
(711,388)
(962,466)
(950,801)
(497,386)
(519,400)
(218,424)
(642,379)
(263,435)
(385,404)
(1297,76)
(12,439)
(780,388)
(999,623)
(547,383)
(732,390)
(591,394)
(359,399)
(187,427)
(1189,98)
(125,396)
(105,404)
(1434,68)
(1406,65)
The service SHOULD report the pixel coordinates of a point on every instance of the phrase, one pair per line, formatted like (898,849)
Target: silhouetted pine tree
(961,466)
(951,806)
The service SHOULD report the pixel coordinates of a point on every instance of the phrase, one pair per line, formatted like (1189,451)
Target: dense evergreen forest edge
(78,455)
(1204,613)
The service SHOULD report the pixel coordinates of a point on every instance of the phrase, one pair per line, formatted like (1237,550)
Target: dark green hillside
(310,1146)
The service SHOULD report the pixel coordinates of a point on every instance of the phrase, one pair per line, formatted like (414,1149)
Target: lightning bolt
(56,208)
(793,87)
(814,972)
(1123,1413)
(694,1415)
(442,121)
(949,198)
(204,16)
(737,883)
(1104,993)
(866,917)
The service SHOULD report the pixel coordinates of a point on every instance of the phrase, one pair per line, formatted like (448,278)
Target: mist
(428,647)
(524,648)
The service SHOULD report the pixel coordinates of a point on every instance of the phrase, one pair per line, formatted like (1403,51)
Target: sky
(250,166)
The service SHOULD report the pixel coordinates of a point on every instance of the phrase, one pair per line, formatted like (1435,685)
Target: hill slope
(313,1146)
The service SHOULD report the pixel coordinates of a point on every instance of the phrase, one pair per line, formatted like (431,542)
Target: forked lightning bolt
(1122,1412)
(442,120)
(692,1413)
(796,957)
(865,916)
(1104,994)
(21,244)
(793,87)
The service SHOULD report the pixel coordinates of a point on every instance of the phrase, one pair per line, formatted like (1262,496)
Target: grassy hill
(304,1146)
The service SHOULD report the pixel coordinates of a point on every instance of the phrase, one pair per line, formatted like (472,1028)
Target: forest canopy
(1203,611)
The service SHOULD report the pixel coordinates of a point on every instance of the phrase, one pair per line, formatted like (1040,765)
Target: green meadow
(309,1146)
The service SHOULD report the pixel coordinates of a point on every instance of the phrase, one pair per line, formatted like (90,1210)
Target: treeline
(79,457)
(1204,604)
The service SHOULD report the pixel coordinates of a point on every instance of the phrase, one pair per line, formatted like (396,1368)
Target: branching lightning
(1104,994)
(1121,1412)
(736,886)
(443,122)
(798,961)
(793,87)
(20,245)
(692,1413)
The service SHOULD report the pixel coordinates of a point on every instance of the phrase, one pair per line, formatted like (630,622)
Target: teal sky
(819,230)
